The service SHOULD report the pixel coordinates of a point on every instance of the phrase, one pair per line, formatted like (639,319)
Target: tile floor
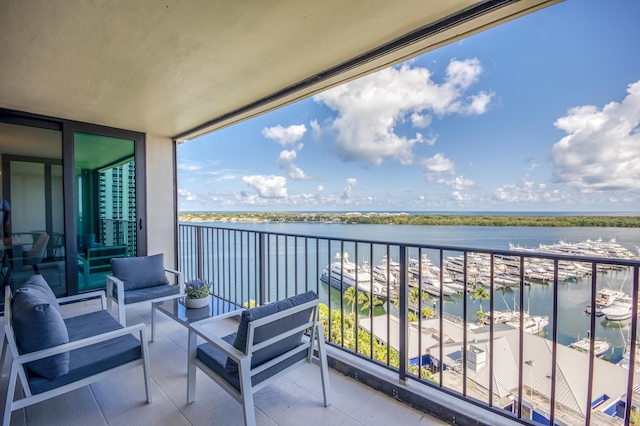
(292,400)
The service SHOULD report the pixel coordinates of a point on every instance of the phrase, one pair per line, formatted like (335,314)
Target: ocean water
(573,296)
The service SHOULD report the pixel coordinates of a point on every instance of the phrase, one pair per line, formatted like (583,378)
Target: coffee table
(176,310)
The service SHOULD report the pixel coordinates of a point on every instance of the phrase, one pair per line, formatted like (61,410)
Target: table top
(176,309)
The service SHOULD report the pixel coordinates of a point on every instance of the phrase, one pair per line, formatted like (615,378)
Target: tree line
(416,219)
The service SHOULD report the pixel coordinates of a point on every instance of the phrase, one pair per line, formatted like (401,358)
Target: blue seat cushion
(38,282)
(149,293)
(215,359)
(140,272)
(38,325)
(271,329)
(94,359)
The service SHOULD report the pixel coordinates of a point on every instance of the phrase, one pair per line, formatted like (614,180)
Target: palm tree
(479,292)
(369,301)
(349,296)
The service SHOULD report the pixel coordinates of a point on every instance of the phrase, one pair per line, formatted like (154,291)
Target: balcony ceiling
(185,68)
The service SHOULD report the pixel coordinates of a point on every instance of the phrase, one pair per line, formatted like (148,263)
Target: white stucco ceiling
(167,67)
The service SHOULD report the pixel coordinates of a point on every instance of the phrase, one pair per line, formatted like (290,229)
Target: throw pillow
(140,272)
(38,325)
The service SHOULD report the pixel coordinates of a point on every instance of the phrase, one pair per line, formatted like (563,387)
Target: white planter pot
(196,303)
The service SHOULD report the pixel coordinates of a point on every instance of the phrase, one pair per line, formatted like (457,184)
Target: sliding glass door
(33,234)
(71,199)
(105,205)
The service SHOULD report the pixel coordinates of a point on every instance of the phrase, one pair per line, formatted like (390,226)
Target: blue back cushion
(38,325)
(140,272)
(37,282)
(272,329)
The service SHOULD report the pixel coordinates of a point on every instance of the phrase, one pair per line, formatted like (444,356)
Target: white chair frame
(114,281)
(18,361)
(245,372)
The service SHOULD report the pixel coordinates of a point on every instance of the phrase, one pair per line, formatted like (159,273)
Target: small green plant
(197,289)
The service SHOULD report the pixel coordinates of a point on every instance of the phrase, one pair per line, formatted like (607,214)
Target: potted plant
(197,292)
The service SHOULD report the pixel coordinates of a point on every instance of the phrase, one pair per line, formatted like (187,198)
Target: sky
(539,114)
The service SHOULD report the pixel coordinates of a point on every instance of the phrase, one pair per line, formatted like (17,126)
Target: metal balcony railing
(417,309)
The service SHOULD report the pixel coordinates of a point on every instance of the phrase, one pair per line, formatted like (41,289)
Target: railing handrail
(252,255)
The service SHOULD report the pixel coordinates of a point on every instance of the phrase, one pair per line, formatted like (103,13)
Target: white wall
(161,221)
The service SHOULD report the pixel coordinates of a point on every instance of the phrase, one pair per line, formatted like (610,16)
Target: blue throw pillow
(140,272)
(37,282)
(38,325)
(267,331)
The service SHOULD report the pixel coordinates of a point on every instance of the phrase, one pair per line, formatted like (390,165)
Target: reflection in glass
(32,211)
(105,205)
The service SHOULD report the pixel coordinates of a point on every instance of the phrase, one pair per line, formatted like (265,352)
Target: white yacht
(342,274)
(533,324)
(601,346)
(619,310)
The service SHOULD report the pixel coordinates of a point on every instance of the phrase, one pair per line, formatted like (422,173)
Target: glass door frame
(69,128)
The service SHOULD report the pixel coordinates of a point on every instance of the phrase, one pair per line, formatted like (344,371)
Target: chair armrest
(66,347)
(180,277)
(230,350)
(89,295)
(111,280)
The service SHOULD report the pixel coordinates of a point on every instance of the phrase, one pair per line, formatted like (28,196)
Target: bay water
(573,296)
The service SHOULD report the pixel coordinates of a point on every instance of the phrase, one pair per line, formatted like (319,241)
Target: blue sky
(539,114)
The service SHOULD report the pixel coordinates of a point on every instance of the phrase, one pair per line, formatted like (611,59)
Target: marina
(574,294)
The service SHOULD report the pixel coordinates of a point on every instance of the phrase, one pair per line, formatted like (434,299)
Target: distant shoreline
(432,219)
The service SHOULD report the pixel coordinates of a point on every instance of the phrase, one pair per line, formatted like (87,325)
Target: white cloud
(346,194)
(285,160)
(316,130)
(268,186)
(420,120)
(285,135)
(371,107)
(437,165)
(189,167)
(602,147)
(528,191)
(459,183)
(458,196)
(183,193)
(296,172)
(221,175)
(287,156)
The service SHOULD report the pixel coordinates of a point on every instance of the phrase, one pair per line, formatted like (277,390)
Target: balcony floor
(291,400)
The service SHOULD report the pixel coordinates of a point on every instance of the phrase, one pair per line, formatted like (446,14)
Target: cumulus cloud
(459,183)
(458,196)
(268,186)
(316,129)
(528,191)
(437,165)
(602,147)
(183,193)
(370,108)
(351,183)
(285,160)
(285,135)
(287,156)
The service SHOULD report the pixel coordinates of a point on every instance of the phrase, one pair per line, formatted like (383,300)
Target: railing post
(200,252)
(404,311)
(262,280)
